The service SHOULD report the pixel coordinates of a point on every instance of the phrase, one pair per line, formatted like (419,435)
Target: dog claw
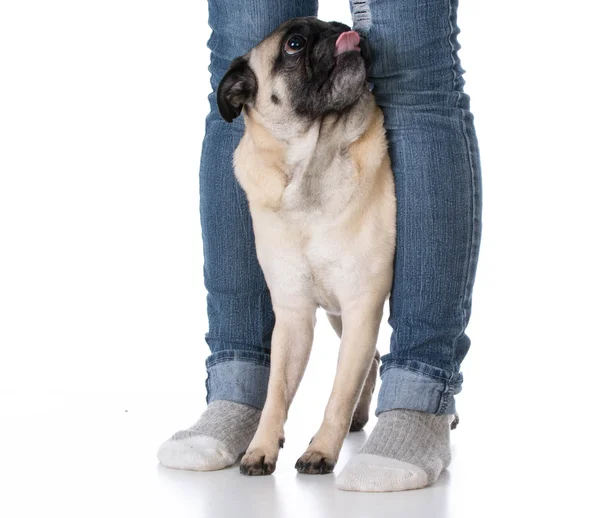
(315,464)
(256,467)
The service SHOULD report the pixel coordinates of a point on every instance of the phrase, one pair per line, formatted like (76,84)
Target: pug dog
(314,165)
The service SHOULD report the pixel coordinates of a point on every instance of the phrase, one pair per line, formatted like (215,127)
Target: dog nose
(347,42)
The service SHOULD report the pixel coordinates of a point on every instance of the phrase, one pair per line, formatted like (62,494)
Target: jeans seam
(444,399)
(207,384)
(255,357)
(234,342)
(470,246)
(245,360)
(468,267)
(452,49)
(212,363)
(406,367)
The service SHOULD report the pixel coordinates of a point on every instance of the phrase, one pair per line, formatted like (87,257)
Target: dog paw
(358,422)
(455,422)
(256,462)
(315,463)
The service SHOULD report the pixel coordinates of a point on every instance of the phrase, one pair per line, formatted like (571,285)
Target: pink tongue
(346,42)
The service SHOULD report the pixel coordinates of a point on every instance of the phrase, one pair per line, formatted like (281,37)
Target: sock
(222,433)
(406,450)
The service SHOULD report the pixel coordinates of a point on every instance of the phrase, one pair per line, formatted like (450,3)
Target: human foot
(406,450)
(222,433)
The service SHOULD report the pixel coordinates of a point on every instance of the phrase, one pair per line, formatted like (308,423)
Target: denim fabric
(240,316)
(417,80)
(237,375)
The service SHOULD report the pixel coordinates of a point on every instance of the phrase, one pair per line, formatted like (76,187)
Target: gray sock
(406,450)
(222,433)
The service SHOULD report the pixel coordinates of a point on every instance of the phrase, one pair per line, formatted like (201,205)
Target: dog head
(302,71)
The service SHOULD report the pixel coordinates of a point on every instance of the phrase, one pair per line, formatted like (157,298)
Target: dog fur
(314,165)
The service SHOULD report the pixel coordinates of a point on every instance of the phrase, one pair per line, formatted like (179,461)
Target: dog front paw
(315,463)
(257,462)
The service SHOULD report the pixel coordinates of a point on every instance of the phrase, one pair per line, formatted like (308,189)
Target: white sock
(220,436)
(406,450)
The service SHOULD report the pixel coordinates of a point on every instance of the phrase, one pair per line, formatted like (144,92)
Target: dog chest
(320,260)
(324,185)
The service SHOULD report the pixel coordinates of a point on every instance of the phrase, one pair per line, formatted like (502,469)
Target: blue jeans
(418,82)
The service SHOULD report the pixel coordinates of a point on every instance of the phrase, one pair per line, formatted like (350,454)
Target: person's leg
(418,82)
(240,316)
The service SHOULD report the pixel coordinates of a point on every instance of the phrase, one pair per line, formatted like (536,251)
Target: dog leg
(357,352)
(361,414)
(290,349)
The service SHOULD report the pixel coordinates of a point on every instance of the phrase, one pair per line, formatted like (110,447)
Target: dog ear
(237,88)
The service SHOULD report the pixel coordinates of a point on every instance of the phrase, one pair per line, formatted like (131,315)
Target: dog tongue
(346,42)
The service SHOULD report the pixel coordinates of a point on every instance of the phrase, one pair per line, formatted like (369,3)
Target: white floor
(94,455)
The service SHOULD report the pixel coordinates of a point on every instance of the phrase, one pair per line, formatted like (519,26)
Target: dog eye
(294,44)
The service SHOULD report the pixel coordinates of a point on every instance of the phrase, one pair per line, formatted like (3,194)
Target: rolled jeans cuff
(238,376)
(407,386)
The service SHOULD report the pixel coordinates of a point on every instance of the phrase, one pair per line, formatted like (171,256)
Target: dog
(314,164)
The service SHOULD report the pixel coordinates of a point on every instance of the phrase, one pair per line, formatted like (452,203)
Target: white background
(102,306)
